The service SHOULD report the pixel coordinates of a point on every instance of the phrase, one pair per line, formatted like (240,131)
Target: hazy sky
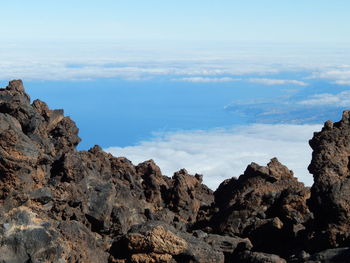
(201,20)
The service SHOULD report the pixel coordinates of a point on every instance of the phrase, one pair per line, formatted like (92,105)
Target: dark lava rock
(74,205)
(263,202)
(187,195)
(335,255)
(330,193)
(155,241)
(258,257)
(60,205)
(26,237)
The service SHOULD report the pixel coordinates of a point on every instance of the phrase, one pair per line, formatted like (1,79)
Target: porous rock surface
(330,199)
(58,204)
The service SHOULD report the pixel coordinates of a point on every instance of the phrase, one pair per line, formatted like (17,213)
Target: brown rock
(88,197)
(257,257)
(264,201)
(151,258)
(158,240)
(58,204)
(187,195)
(330,194)
(154,184)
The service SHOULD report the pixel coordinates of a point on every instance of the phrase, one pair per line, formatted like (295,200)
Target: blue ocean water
(121,113)
(113,112)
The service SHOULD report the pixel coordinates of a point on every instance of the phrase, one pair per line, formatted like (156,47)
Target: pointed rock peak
(346,116)
(40,106)
(181,172)
(328,125)
(278,170)
(149,168)
(95,149)
(199,177)
(16,85)
(274,171)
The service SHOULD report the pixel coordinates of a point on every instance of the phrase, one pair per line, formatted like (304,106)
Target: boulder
(156,240)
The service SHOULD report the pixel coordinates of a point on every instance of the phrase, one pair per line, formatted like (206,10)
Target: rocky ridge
(58,204)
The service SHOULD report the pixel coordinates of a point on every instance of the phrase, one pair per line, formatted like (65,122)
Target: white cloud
(207,80)
(221,154)
(341,99)
(342,82)
(265,81)
(131,61)
(340,75)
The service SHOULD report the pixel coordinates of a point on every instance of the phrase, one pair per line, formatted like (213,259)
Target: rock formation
(330,199)
(58,204)
(264,201)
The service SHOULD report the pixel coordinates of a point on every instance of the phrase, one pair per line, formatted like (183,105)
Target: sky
(209,86)
(194,20)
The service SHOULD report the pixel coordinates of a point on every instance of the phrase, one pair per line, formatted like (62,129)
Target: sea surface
(113,112)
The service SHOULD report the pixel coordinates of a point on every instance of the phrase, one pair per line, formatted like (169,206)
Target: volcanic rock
(258,257)
(264,201)
(330,193)
(58,204)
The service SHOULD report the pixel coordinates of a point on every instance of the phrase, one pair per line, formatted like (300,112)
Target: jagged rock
(58,204)
(42,195)
(154,184)
(80,244)
(25,237)
(257,257)
(87,198)
(187,195)
(330,193)
(229,246)
(264,201)
(336,255)
(155,239)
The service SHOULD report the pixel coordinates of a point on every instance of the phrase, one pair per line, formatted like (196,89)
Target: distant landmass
(282,110)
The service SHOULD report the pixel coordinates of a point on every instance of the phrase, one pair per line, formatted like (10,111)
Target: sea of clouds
(224,62)
(225,153)
(217,154)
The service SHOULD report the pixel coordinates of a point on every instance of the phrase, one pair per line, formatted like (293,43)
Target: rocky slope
(58,204)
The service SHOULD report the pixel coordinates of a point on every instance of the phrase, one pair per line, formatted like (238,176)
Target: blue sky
(206,85)
(194,20)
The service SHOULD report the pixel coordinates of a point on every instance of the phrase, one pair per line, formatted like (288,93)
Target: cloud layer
(207,80)
(341,99)
(221,154)
(339,75)
(130,61)
(265,81)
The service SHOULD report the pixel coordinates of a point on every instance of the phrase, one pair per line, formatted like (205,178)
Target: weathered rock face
(77,203)
(264,201)
(330,194)
(155,241)
(58,204)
